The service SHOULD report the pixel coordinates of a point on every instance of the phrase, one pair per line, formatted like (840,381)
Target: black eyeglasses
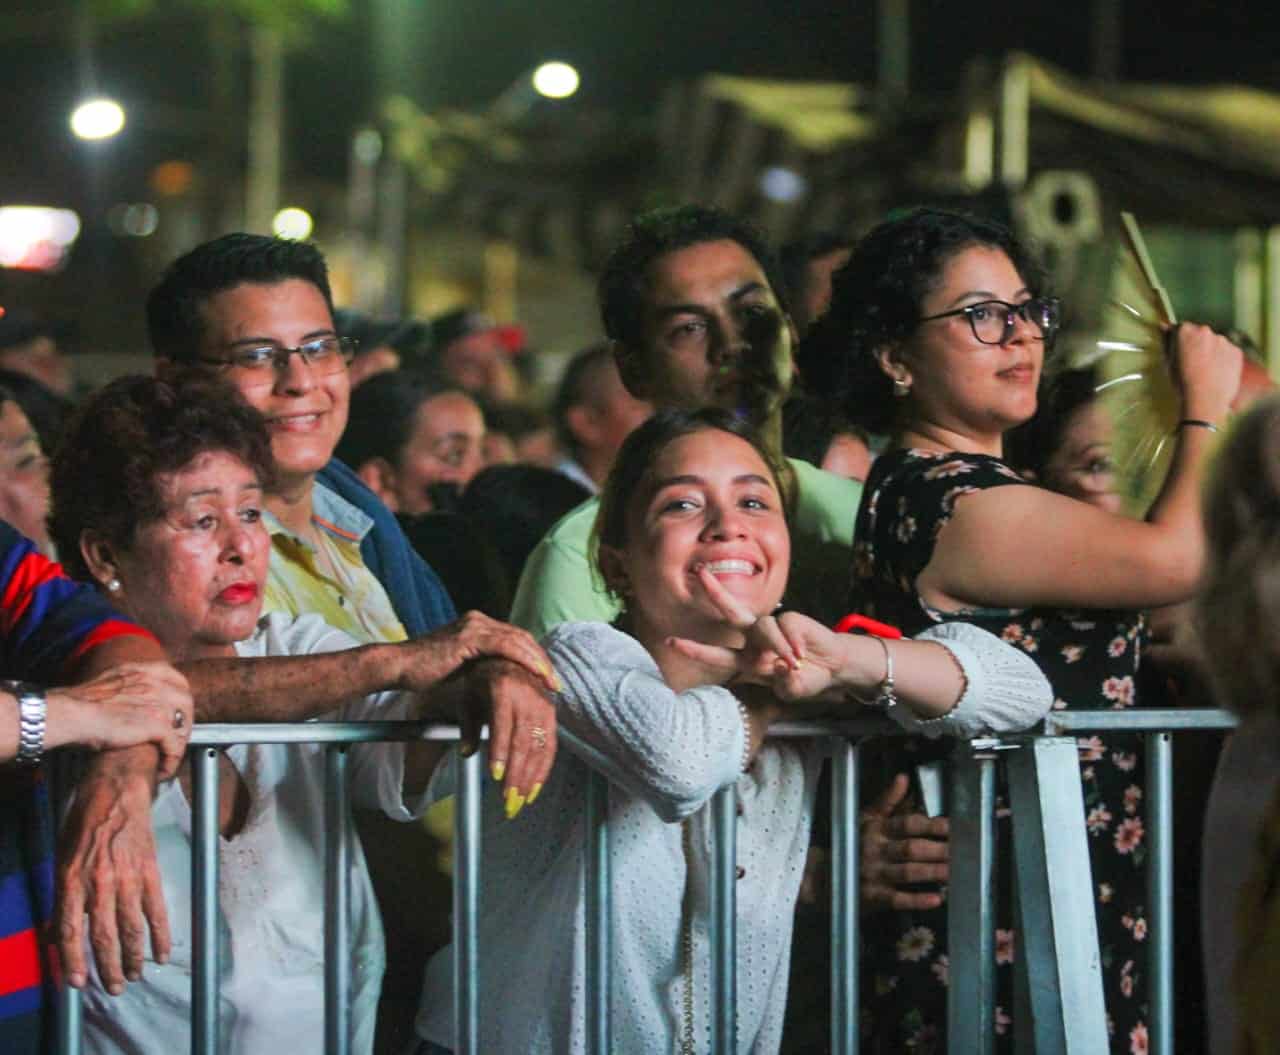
(260,364)
(992,320)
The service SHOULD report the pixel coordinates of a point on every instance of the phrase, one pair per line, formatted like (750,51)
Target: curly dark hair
(875,301)
(104,476)
(175,323)
(624,282)
(641,449)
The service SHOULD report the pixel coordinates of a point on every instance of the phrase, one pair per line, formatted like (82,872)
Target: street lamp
(555,80)
(292,223)
(97,119)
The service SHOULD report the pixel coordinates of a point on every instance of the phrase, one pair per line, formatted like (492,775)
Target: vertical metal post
(596,880)
(70,1020)
(466,907)
(62,770)
(337,903)
(1059,937)
(206,971)
(844,897)
(971,996)
(1160,891)
(724,917)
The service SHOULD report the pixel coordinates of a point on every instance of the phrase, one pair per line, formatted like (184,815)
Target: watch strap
(32,716)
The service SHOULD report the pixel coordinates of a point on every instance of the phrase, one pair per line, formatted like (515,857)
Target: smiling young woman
(678,695)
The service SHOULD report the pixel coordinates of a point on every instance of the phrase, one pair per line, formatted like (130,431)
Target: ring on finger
(179,719)
(539,736)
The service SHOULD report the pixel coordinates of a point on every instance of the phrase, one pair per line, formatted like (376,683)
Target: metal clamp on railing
(1059,997)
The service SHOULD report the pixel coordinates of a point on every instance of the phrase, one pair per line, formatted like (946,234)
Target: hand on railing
(133,703)
(522,727)
(900,849)
(426,661)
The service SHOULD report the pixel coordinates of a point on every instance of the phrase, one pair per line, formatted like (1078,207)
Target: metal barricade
(1059,985)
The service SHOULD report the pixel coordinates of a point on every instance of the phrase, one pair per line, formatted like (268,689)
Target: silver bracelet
(32,710)
(746,736)
(885,698)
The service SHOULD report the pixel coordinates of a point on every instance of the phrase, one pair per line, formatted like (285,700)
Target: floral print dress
(1091,658)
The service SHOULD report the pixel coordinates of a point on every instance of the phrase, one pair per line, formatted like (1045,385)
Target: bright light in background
(36,238)
(97,119)
(782,185)
(555,80)
(134,219)
(293,223)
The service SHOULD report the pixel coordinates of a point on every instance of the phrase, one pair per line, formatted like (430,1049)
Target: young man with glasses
(258,311)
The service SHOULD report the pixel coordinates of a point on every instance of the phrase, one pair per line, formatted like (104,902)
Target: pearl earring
(113,585)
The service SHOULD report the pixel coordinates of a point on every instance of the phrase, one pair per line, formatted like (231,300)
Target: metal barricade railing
(1058,1003)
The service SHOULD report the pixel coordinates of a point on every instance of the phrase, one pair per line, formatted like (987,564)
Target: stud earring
(113,585)
(901,386)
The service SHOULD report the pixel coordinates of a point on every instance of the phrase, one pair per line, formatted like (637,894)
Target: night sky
(464,52)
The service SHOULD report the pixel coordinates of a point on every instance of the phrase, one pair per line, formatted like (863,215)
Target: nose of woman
(724,520)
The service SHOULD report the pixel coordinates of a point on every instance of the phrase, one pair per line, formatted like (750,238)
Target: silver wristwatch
(32,710)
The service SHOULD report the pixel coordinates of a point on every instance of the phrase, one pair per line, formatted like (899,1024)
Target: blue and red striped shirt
(47,622)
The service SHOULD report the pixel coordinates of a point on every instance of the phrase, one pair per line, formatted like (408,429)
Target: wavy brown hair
(105,474)
(1237,613)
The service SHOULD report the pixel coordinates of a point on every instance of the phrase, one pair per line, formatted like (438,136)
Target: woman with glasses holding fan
(937,335)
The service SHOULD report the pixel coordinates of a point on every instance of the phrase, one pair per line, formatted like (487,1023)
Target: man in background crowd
(593,414)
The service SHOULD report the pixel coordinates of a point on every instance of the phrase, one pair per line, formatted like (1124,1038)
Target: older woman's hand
(428,660)
(134,703)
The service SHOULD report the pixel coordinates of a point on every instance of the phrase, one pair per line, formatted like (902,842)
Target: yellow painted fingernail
(498,769)
(515,802)
(534,792)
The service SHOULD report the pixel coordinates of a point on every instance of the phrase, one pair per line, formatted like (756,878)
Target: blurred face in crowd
(714,333)
(41,359)
(24,477)
(305,407)
(470,361)
(610,412)
(445,447)
(194,575)
(1081,467)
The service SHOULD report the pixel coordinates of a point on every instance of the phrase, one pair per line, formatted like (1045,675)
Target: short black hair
(571,391)
(875,301)
(175,324)
(624,282)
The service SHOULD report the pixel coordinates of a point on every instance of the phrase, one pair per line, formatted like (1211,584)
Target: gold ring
(539,736)
(179,719)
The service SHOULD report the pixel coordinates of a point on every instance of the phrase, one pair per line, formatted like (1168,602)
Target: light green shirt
(561,585)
